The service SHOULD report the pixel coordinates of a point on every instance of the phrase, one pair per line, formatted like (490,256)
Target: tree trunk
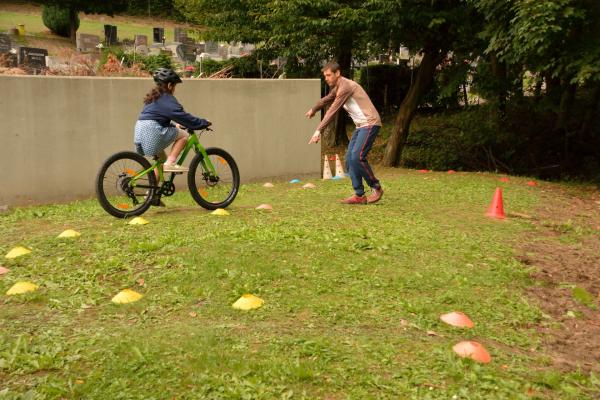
(499,71)
(73,25)
(408,107)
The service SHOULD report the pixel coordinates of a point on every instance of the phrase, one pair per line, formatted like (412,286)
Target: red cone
(496,209)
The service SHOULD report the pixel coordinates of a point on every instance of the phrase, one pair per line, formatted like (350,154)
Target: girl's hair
(157,91)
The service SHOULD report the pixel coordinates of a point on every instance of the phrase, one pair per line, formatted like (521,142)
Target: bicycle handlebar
(207,129)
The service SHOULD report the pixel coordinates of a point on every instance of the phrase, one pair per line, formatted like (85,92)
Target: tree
(433,28)
(88,7)
(306,32)
(558,42)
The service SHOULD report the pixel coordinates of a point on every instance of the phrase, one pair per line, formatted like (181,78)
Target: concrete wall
(57,131)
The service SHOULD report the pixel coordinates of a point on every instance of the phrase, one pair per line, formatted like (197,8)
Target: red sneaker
(354,199)
(375,196)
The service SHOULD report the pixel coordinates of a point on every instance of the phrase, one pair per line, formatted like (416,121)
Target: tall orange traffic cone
(496,209)
(326,169)
(339,170)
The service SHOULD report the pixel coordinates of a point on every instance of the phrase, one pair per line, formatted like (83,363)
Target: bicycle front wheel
(218,190)
(115,193)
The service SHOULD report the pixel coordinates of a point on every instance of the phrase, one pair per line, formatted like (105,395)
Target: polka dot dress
(151,138)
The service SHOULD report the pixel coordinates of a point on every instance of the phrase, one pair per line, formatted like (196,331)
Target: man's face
(331,77)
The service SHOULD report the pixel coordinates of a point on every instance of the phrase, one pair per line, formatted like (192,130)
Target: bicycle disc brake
(211,180)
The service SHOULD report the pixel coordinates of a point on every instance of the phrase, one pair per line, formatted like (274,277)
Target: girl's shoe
(174,168)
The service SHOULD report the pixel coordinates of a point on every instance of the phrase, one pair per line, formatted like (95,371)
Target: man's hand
(315,138)
(310,113)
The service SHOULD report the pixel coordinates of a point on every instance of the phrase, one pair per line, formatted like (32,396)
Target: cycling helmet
(166,75)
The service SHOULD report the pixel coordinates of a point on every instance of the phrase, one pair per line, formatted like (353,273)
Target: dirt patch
(565,253)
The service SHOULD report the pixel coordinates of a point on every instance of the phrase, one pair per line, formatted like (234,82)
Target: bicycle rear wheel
(113,189)
(212,191)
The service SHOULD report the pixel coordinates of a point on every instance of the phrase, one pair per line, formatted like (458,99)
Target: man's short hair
(332,66)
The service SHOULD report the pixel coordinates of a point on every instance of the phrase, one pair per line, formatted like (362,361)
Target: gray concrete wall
(57,131)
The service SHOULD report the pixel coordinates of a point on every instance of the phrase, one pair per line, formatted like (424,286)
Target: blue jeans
(356,158)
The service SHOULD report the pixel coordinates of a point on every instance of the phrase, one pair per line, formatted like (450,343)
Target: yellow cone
(248,302)
(22,287)
(138,221)
(69,233)
(220,211)
(17,252)
(126,296)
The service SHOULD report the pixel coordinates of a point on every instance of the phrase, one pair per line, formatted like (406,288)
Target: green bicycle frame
(192,143)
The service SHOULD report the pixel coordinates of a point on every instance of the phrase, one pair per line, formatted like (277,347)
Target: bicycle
(126,184)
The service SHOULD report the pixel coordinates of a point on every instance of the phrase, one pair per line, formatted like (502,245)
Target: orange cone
(326,169)
(458,319)
(472,350)
(496,209)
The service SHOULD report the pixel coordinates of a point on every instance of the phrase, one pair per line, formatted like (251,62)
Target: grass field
(352,298)
(127,27)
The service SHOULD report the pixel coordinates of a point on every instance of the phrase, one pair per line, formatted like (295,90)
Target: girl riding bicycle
(154,130)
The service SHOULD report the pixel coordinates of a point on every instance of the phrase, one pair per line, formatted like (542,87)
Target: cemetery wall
(57,131)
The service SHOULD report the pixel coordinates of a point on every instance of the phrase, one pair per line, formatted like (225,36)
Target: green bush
(522,142)
(57,20)
(243,67)
(149,63)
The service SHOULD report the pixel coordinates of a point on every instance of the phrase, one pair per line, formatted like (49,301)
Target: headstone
(141,40)
(110,34)
(87,42)
(188,41)
(179,35)
(158,34)
(5,45)
(223,52)
(142,49)
(32,57)
(211,47)
(186,52)
(234,51)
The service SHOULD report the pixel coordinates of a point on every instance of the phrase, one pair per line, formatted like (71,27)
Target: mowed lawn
(127,27)
(352,298)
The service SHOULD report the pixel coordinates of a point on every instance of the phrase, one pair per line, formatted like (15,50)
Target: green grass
(34,25)
(350,293)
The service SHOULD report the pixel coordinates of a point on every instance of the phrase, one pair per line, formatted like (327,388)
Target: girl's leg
(178,146)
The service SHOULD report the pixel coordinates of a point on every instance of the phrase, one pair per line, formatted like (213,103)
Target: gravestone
(5,44)
(158,34)
(223,52)
(110,34)
(186,52)
(211,47)
(234,51)
(141,40)
(179,35)
(32,57)
(87,42)
(142,49)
